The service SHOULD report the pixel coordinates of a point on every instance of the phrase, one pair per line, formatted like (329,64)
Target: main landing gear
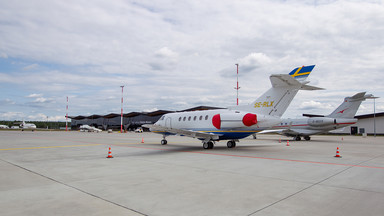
(208,145)
(298,138)
(231,144)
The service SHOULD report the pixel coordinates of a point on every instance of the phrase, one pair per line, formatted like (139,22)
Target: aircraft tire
(297,138)
(231,144)
(208,145)
(164,142)
(307,138)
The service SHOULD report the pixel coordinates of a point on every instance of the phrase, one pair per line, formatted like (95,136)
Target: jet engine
(234,120)
(325,121)
(321,121)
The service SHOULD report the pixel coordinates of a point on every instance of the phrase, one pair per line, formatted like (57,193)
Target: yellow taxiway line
(42,147)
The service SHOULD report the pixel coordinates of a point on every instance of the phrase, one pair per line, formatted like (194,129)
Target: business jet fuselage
(27,126)
(237,122)
(342,116)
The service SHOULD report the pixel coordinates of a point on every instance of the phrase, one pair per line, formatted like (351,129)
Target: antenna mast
(237,87)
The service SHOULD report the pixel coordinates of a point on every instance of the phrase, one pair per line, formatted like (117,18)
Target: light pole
(237,87)
(121,122)
(374,113)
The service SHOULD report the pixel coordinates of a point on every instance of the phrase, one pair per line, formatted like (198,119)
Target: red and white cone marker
(109,153)
(279,140)
(142,140)
(287,142)
(337,153)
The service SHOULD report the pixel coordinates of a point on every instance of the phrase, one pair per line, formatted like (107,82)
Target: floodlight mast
(237,87)
(121,120)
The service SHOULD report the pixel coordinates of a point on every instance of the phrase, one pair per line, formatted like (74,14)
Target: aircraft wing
(291,132)
(182,132)
(278,131)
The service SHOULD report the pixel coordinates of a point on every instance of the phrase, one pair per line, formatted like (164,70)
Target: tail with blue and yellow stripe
(301,73)
(276,100)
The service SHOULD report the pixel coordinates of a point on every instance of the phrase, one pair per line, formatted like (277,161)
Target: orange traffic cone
(287,142)
(109,153)
(337,153)
(142,140)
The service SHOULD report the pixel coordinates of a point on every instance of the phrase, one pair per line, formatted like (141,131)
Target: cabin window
(184,118)
(189,118)
(201,118)
(194,118)
(180,118)
(206,117)
(162,118)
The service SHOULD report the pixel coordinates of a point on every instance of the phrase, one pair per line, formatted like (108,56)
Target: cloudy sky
(174,55)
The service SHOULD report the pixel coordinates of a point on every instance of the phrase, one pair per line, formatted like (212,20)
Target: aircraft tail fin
(276,100)
(349,107)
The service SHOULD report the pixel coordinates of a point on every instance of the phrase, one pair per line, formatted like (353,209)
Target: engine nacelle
(234,120)
(321,121)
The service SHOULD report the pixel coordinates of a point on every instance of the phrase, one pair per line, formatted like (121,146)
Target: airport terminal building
(369,123)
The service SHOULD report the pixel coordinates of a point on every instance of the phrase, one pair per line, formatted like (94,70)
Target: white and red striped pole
(66,117)
(237,87)
(121,122)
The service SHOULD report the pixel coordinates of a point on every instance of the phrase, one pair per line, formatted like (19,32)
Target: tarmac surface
(67,173)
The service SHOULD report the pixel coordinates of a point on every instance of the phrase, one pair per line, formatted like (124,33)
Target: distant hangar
(131,120)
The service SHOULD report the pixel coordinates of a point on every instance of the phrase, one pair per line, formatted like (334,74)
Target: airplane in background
(237,122)
(341,117)
(88,128)
(24,126)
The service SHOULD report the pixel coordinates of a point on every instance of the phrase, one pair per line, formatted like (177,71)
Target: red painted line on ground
(255,157)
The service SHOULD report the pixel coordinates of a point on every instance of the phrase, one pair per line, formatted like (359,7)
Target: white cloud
(40,100)
(43,117)
(31,67)
(310,104)
(34,95)
(10,116)
(7,101)
(150,110)
(186,51)
(165,52)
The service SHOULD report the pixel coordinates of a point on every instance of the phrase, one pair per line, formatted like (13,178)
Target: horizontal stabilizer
(283,80)
(311,88)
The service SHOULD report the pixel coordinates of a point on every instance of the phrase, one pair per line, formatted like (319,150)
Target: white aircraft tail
(284,88)
(349,106)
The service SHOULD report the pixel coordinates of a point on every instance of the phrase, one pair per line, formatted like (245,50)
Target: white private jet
(24,126)
(343,116)
(239,121)
(88,128)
